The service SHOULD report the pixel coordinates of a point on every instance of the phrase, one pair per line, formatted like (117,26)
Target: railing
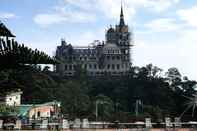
(99,126)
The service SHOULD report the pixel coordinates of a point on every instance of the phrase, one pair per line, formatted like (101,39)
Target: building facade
(40,111)
(11,98)
(111,57)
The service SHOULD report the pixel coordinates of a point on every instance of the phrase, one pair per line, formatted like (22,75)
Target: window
(118,66)
(95,66)
(74,66)
(113,66)
(70,67)
(118,57)
(90,66)
(108,66)
(126,51)
(113,57)
(38,113)
(66,67)
(108,57)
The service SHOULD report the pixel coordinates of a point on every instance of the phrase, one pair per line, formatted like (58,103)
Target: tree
(173,75)
(8,110)
(153,71)
(46,69)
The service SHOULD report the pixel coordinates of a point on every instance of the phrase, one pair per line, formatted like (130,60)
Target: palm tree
(14,55)
(192,103)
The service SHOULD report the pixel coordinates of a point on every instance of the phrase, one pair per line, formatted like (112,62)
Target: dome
(110,48)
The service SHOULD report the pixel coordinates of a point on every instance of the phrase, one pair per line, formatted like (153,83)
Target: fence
(85,125)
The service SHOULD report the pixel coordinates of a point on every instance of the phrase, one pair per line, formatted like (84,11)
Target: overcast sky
(164,31)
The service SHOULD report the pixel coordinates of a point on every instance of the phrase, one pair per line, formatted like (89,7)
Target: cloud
(88,37)
(81,11)
(189,15)
(112,6)
(178,51)
(6,15)
(47,19)
(163,25)
(156,5)
(108,8)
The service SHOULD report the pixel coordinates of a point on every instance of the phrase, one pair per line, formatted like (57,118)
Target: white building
(12,99)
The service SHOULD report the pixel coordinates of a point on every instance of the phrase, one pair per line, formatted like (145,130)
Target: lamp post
(98,102)
(96,110)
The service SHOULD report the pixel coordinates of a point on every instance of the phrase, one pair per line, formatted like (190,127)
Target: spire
(121,16)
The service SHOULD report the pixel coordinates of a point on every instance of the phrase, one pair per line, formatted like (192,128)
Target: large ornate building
(111,57)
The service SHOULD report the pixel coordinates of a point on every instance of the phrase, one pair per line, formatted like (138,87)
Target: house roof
(25,108)
(4,31)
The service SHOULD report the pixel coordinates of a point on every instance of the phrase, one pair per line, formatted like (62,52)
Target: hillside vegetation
(157,95)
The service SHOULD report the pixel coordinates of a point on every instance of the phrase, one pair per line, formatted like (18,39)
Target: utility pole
(96,110)
(137,104)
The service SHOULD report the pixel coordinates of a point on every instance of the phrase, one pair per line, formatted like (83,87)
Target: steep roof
(4,31)
(111,30)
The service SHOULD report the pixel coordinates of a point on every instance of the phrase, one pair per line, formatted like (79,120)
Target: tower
(120,36)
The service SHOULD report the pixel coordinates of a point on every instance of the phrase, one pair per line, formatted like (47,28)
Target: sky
(164,31)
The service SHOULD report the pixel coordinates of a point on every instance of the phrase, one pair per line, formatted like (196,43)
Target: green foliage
(105,107)
(117,96)
(14,55)
(8,110)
